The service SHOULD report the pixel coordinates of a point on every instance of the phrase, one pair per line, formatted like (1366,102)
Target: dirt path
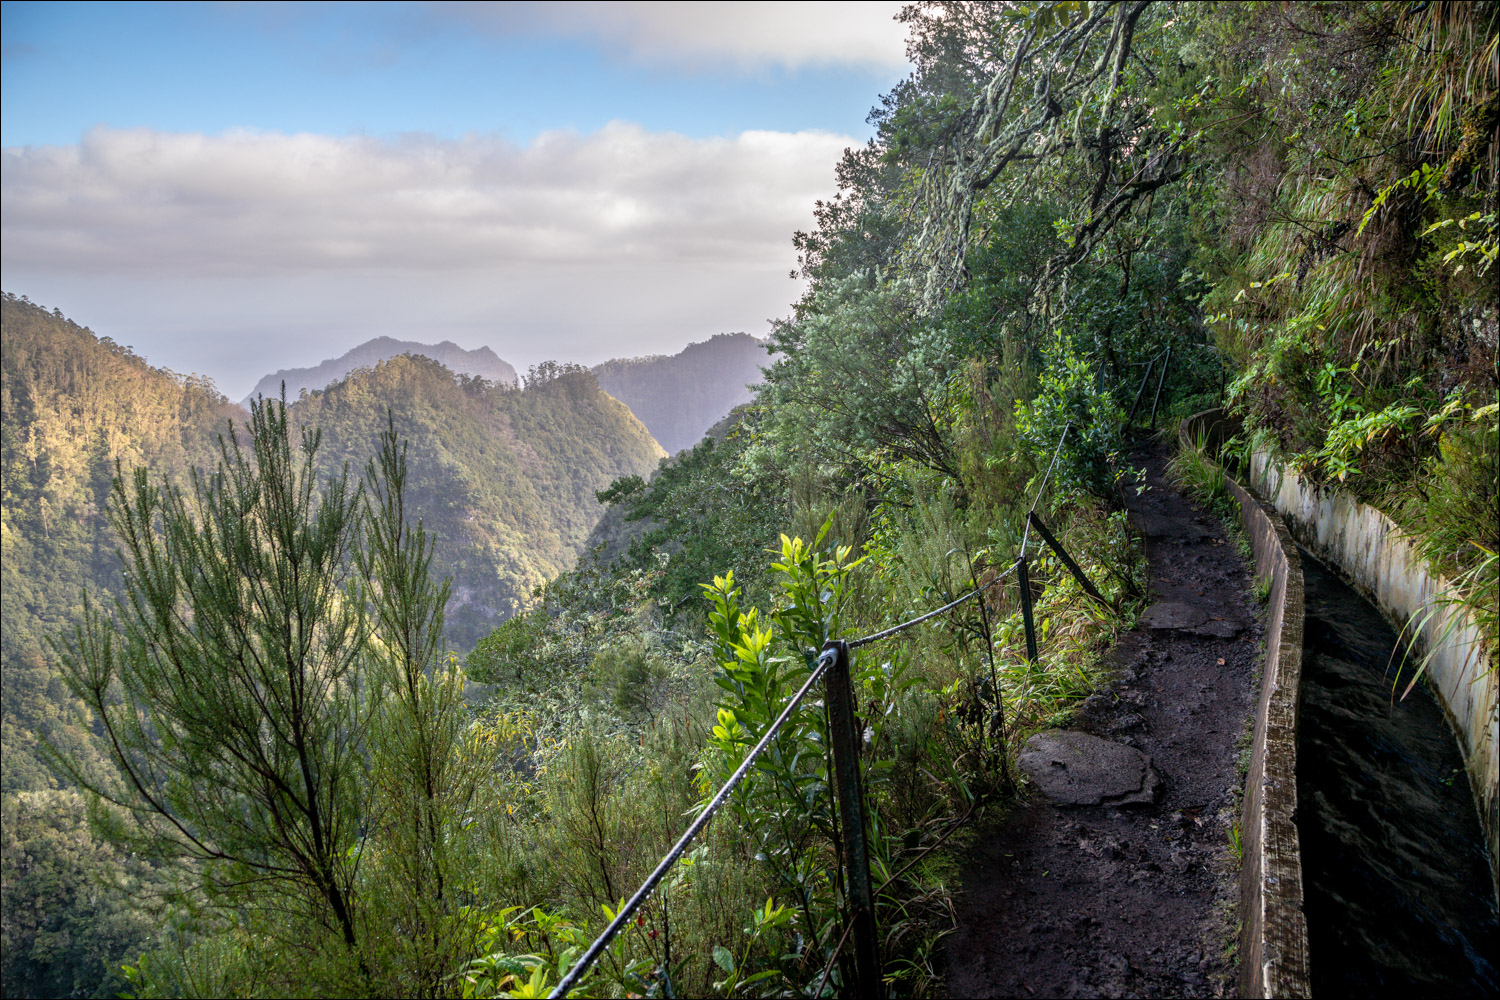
(1138,901)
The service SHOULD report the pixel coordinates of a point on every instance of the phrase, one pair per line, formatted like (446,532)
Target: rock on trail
(1076,769)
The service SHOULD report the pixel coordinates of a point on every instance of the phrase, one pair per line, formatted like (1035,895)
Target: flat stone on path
(1173,614)
(1076,769)
(1179,529)
(1191,618)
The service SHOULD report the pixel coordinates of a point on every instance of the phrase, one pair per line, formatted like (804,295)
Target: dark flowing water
(1397,882)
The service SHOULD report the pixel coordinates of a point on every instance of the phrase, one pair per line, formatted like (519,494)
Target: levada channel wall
(1273,930)
(1371,552)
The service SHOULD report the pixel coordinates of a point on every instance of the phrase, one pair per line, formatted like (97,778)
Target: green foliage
(556,944)
(1199,474)
(1348,231)
(702,513)
(1452,515)
(762,922)
(785,808)
(276,709)
(504,478)
(627,675)
(75,907)
(240,656)
(511,652)
(862,376)
(1070,400)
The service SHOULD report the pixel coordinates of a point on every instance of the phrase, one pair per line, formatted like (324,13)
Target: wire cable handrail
(897,629)
(1026,535)
(589,957)
(825,659)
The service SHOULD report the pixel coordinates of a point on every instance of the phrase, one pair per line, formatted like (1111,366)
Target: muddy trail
(1114,900)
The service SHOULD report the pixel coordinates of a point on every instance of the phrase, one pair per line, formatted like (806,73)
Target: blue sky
(388,69)
(234,188)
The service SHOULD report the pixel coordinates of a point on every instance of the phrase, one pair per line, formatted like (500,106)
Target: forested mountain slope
(505,477)
(73,406)
(680,396)
(480,362)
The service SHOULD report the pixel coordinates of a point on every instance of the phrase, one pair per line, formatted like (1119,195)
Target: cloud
(702,35)
(258,203)
(237,254)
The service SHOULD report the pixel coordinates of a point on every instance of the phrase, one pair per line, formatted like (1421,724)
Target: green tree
(238,684)
(423,779)
(73,907)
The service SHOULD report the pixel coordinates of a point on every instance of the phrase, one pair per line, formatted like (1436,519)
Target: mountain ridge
(481,361)
(681,396)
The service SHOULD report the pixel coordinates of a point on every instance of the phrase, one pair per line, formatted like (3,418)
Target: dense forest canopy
(1298,201)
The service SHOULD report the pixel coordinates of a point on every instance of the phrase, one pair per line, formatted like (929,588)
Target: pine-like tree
(276,624)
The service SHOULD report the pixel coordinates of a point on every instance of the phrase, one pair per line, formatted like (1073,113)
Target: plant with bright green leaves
(737,968)
(1070,397)
(785,805)
(783,810)
(525,952)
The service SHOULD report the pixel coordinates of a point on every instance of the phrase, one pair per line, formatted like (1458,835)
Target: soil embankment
(1133,900)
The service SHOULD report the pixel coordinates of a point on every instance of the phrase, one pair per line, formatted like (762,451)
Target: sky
(236,188)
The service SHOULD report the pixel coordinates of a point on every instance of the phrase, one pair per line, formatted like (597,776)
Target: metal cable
(825,660)
(1026,535)
(894,629)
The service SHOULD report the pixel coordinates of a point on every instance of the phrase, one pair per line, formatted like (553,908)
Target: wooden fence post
(1026,618)
(846,740)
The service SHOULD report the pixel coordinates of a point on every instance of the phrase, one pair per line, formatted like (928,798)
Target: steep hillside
(481,362)
(73,406)
(506,477)
(620,527)
(680,396)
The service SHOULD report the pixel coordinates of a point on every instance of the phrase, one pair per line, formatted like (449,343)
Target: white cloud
(241,253)
(255,202)
(746,35)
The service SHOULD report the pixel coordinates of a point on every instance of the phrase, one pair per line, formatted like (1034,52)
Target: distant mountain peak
(680,396)
(481,361)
